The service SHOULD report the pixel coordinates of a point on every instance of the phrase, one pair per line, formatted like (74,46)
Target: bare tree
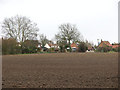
(43,40)
(20,28)
(89,43)
(68,32)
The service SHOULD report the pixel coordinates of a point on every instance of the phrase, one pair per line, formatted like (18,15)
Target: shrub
(115,49)
(10,46)
(118,49)
(82,47)
(51,50)
(29,46)
(104,49)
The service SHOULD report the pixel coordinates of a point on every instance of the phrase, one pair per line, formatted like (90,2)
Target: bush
(104,49)
(82,47)
(62,48)
(118,49)
(115,49)
(10,46)
(51,50)
(29,46)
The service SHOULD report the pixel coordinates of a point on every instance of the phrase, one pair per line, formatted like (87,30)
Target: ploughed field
(60,70)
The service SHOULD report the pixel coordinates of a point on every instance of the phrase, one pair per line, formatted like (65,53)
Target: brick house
(115,45)
(104,43)
(74,47)
(51,45)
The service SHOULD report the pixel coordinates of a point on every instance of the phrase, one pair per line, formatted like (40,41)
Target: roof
(103,43)
(115,46)
(90,47)
(47,45)
(107,43)
(74,45)
(52,45)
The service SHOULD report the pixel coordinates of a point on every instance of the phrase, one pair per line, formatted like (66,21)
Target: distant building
(74,47)
(39,45)
(90,48)
(47,46)
(115,45)
(55,46)
(104,43)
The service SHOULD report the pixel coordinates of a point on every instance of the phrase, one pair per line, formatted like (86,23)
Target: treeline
(21,36)
(107,49)
(11,46)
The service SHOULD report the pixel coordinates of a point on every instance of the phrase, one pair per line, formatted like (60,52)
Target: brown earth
(60,70)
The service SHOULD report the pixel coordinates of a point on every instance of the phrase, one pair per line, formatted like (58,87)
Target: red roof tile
(74,45)
(115,46)
(103,43)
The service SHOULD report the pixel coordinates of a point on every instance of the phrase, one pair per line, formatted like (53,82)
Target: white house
(47,46)
(51,46)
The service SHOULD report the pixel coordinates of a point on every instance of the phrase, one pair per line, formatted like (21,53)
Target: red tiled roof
(107,43)
(115,46)
(74,45)
(104,43)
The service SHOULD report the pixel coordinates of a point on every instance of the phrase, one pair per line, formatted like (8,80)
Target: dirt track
(70,70)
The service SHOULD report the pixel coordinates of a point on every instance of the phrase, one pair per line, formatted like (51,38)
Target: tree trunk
(69,46)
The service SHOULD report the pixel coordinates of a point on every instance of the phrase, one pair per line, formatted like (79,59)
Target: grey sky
(95,19)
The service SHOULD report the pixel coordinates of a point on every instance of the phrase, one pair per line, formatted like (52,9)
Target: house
(104,44)
(115,45)
(90,48)
(47,46)
(74,47)
(39,45)
(51,46)
(55,46)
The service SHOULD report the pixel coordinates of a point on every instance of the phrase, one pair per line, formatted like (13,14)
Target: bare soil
(60,70)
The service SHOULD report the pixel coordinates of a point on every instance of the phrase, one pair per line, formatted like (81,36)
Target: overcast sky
(95,19)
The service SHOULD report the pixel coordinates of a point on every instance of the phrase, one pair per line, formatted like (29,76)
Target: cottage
(115,45)
(90,48)
(47,46)
(104,43)
(74,47)
(39,45)
(55,46)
